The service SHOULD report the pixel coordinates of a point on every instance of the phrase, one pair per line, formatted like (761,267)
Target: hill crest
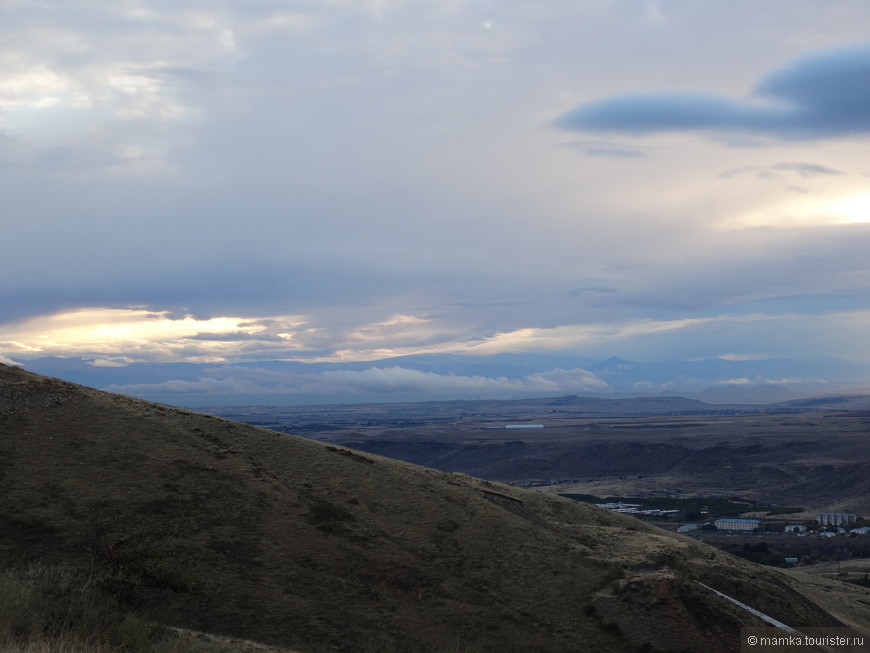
(241,531)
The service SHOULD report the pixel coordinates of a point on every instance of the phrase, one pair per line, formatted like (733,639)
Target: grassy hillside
(202,523)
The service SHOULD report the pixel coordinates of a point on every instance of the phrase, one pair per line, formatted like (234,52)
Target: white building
(864,530)
(836,518)
(795,528)
(740,525)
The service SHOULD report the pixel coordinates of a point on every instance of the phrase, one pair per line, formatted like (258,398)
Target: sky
(222,182)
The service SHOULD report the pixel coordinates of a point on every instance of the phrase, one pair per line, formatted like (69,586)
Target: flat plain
(812,453)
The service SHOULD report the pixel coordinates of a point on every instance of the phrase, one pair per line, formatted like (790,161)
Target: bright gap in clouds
(126,335)
(803,211)
(852,209)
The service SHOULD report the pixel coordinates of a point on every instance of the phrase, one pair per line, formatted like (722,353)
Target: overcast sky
(354,179)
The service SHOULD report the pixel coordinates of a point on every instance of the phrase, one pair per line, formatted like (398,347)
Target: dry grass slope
(202,523)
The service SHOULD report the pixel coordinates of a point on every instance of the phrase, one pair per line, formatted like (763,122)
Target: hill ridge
(233,529)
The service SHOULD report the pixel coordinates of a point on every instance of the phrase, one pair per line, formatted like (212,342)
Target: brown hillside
(236,530)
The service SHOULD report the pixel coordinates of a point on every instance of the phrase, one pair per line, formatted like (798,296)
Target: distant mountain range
(451,376)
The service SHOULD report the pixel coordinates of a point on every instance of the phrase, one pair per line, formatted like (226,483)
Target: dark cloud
(821,95)
(203,289)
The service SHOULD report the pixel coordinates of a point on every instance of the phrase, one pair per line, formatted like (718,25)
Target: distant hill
(232,529)
(829,402)
(740,394)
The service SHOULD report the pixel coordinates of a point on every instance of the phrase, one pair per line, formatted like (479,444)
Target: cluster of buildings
(832,523)
(837,521)
(635,509)
(830,529)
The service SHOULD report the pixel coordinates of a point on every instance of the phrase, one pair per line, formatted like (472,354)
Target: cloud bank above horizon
(385,382)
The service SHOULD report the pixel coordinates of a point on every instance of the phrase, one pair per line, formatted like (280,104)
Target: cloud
(114,361)
(116,337)
(575,336)
(743,357)
(144,335)
(139,334)
(375,381)
(200,161)
(608,149)
(793,381)
(823,94)
(779,170)
(740,381)
(236,336)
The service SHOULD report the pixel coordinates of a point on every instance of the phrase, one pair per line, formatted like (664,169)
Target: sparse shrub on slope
(66,609)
